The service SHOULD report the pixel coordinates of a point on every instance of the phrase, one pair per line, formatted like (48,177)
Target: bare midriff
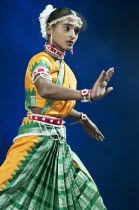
(36,110)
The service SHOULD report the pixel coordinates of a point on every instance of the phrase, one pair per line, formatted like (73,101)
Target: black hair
(60,12)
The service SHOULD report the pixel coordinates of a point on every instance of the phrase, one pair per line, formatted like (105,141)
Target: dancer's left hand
(99,89)
(91,129)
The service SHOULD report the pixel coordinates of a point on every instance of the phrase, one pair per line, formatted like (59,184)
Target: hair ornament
(75,19)
(43,19)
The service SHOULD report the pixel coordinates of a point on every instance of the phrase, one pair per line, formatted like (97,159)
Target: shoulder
(40,59)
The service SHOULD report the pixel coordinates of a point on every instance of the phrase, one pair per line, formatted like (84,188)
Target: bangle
(89,96)
(86,94)
(83,117)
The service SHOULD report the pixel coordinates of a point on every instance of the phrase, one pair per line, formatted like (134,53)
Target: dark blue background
(112,39)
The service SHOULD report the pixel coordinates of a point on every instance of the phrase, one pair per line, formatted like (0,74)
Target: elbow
(42,94)
(44,91)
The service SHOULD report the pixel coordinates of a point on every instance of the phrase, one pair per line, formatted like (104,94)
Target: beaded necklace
(54,52)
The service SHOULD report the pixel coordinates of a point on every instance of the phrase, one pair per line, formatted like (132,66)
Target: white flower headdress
(45,15)
(43,19)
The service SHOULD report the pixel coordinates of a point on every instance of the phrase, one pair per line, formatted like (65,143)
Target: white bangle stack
(86,95)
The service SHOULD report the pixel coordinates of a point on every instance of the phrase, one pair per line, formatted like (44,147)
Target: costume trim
(38,64)
(38,134)
(41,71)
(46,120)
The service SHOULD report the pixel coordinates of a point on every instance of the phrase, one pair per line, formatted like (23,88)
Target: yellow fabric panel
(59,108)
(14,155)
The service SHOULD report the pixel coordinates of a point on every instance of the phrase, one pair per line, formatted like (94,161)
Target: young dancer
(41,171)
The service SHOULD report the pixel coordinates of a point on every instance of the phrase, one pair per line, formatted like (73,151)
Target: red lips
(70,42)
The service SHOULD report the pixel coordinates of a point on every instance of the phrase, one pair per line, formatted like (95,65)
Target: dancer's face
(64,34)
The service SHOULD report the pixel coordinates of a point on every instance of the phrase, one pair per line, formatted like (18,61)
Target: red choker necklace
(54,52)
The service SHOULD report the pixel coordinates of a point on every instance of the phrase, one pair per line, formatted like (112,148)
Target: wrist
(83,118)
(91,99)
(86,96)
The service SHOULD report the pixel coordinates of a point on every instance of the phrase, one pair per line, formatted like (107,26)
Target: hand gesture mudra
(99,89)
(91,129)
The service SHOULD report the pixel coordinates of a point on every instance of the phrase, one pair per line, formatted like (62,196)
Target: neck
(53,51)
(56,46)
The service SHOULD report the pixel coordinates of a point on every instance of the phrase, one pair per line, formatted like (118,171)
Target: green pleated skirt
(51,177)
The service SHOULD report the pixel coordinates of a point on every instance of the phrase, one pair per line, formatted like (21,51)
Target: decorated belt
(46,119)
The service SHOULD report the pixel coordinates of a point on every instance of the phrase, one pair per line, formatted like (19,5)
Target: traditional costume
(41,172)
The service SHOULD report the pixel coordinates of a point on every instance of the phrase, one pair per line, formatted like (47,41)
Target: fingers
(103,84)
(108,74)
(105,76)
(93,131)
(101,76)
(99,136)
(108,90)
(110,71)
